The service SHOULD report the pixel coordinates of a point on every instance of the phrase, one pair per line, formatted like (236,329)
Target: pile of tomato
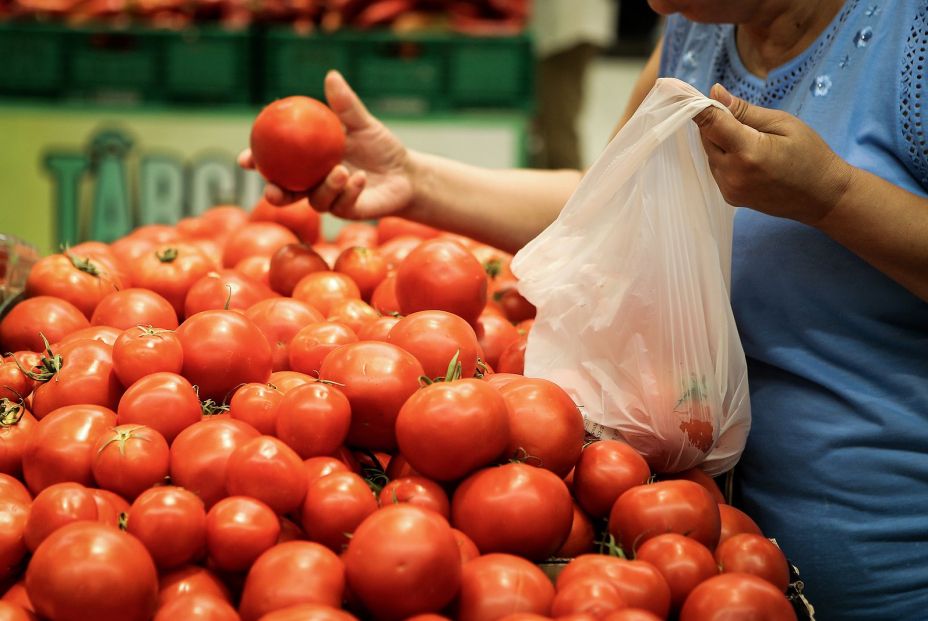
(231,419)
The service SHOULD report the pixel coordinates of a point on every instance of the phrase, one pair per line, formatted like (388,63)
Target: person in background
(826,153)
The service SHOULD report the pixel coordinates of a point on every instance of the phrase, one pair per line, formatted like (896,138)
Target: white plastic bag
(631,283)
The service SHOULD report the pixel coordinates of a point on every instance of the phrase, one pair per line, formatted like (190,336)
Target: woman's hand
(375,179)
(771,161)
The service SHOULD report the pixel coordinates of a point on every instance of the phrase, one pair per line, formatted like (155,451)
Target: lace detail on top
(910,101)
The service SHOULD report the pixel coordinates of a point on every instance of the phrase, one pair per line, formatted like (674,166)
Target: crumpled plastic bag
(631,283)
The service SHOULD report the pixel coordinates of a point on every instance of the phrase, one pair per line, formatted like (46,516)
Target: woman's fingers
(345,202)
(245,160)
(325,194)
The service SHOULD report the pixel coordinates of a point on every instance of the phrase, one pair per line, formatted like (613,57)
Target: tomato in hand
(170,271)
(239,530)
(606,470)
(267,469)
(166,402)
(258,405)
(141,351)
(487,591)
(683,562)
(16,428)
(56,506)
(134,307)
(417,491)
(290,264)
(280,319)
(82,281)
(755,555)
(129,459)
(434,337)
(365,266)
(224,289)
(171,523)
(442,275)
(334,507)
(313,419)
(736,597)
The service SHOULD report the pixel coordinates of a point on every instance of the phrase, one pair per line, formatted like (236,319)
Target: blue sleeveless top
(836,466)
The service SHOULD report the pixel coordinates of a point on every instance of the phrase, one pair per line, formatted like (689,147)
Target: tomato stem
(10,413)
(168,255)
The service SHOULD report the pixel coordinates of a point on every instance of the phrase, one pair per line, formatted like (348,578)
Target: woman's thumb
(345,102)
(759,118)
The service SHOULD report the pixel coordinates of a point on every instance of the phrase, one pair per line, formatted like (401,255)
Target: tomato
(267,469)
(377,378)
(170,270)
(129,248)
(606,470)
(313,343)
(166,402)
(56,506)
(171,523)
(223,349)
(158,233)
(512,358)
(290,531)
(280,319)
(640,584)
(527,616)
(124,584)
(632,614)
(365,266)
(17,425)
(318,467)
(296,141)
(82,281)
(756,555)
(384,297)
(353,313)
(299,217)
(335,504)
(356,234)
(683,562)
(134,307)
(225,289)
(665,507)
(200,455)
(220,221)
(52,317)
(257,269)
(197,607)
(328,252)
(211,248)
(581,538)
(736,597)
(104,334)
(61,448)
(298,572)
(129,459)
(417,491)
(187,580)
(288,380)
(514,508)
(12,489)
(442,275)
(290,264)
(734,522)
(14,384)
(466,546)
(393,553)
(488,593)
(313,419)
(696,475)
(14,515)
(434,337)
(315,612)
(515,307)
(324,288)
(141,351)
(260,239)
(494,333)
(239,530)
(545,425)
(257,404)
(449,429)
(391,227)
(109,506)
(17,596)
(12,612)
(377,330)
(593,596)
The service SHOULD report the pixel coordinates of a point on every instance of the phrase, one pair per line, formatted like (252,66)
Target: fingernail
(722,95)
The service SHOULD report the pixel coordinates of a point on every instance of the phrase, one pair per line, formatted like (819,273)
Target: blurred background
(120,113)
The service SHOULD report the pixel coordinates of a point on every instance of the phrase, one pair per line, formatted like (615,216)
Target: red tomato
(449,429)
(257,404)
(109,506)
(353,313)
(239,530)
(606,470)
(393,553)
(130,459)
(290,264)
(417,491)
(487,591)
(434,337)
(514,508)
(104,334)
(322,289)
(318,467)
(734,522)
(267,469)
(378,330)
(299,217)
(124,585)
(755,555)
(17,425)
(220,221)
(141,351)
(399,467)
(280,319)
(335,504)
(514,306)
(328,252)
(166,402)
(494,334)
(315,612)
(397,249)
(188,580)
(736,597)
(61,448)
(297,572)
(665,507)
(224,289)
(57,506)
(640,584)
(592,596)
(200,455)
(290,531)
(356,234)
(442,275)
(296,141)
(313,342)
(12,489)
(545,425)
(288,380)
(82,281)
(527,616)
(313,419)
(261,239)
(632,614)
(384,297)
(170,271)
(13,518)
(466,546)
(683,562)
(14,384)
(223,349)
(581,538)
(365,266)
(391,227)
(512,358)
(12,612)
(257,269)
(158,233)
(197,607)
(134,307)
(171,523)
(129,248)
(696,475)
(377,378)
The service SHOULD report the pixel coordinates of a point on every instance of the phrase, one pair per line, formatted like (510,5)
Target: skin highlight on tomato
(134,307)
(171,523)
(187,580)
(14,515)
(267,469)
(334,507)
(316,612)
(417,491)
(313,419)
(57,506)
(239,530)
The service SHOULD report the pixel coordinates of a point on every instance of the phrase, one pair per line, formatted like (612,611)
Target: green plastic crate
(492,72)
(208,65)
(116,64)
(296,64)
(398,74)
(33,59)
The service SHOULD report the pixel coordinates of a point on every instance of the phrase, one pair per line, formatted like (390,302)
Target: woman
(826,146)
